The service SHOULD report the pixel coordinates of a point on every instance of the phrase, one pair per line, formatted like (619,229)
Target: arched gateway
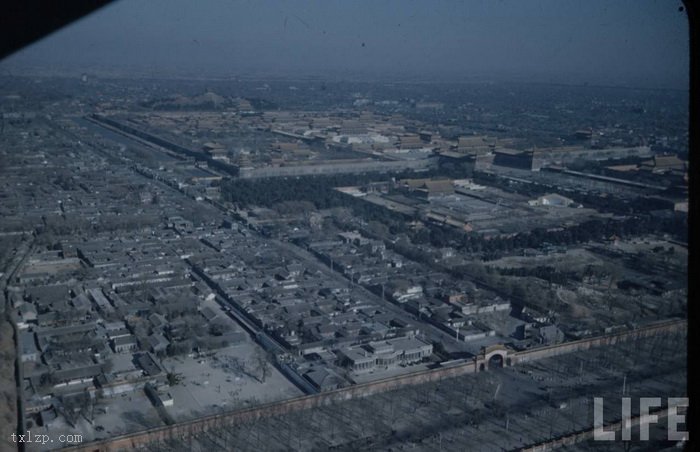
(492,357)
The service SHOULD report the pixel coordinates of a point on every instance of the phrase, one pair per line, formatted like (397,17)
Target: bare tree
(261,364)
(74,406)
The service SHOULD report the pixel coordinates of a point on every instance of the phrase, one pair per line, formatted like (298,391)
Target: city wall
(608,339)
(184,429)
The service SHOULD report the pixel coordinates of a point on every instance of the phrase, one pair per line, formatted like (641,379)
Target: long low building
(337,167)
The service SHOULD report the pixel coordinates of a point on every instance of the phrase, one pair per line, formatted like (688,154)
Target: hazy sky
(636,42)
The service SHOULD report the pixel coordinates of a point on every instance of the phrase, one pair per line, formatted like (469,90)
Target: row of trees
(317,189)
(595,229)
(544,272)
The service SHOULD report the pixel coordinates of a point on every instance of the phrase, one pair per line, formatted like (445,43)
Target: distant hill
(206,101)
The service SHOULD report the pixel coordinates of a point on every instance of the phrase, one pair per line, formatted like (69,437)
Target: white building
(552,199)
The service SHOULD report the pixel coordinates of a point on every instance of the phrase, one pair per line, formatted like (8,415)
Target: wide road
(24,250)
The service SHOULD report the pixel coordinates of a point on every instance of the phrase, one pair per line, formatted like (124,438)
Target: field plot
(230,379)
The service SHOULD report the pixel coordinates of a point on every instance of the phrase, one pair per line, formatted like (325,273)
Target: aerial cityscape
(325,263)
